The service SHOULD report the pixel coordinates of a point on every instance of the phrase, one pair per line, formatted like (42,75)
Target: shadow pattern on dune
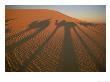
(70,62)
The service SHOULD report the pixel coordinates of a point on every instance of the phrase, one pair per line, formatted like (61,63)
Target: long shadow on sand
(69,57)
(41,26)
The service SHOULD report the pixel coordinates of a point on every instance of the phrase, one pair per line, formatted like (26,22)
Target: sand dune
(47,40)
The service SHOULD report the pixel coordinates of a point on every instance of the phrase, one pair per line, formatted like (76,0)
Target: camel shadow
(69,62)
(31,26)
(40,25)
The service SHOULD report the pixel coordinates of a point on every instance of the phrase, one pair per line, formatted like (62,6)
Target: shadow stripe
(70,61)
(103,49)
